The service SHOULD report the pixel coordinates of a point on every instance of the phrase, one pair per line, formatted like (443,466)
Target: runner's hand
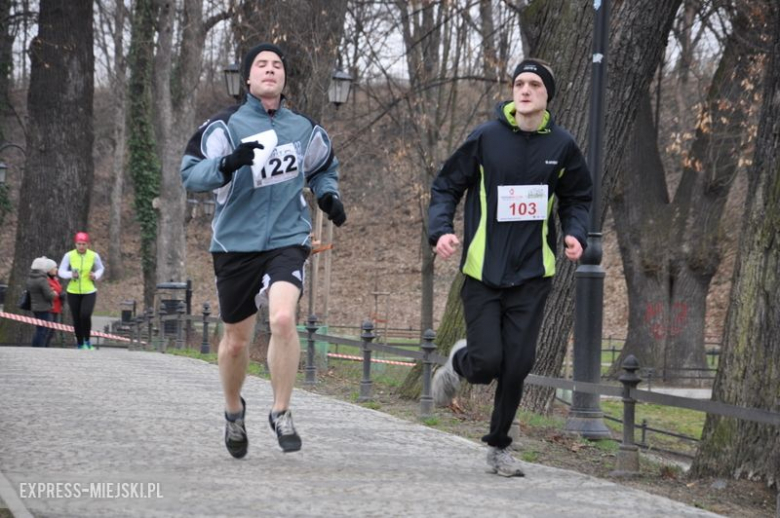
(241,156)
(573,248)
(332,206)
(446,245)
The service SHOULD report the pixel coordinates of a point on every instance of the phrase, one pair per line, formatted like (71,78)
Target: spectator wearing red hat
(82,267)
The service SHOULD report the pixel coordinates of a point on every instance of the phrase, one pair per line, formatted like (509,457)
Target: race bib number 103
(522,202)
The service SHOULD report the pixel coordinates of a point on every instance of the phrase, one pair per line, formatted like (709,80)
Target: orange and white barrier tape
(55,325)
(359,359)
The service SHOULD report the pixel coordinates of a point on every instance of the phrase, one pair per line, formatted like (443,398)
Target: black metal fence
(147,332)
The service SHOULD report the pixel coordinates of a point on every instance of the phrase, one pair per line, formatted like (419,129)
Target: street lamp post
(585,417)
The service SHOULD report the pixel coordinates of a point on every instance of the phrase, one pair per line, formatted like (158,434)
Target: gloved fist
(241,156)
(332,206)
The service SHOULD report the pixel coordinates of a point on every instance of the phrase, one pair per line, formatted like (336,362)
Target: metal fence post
(137,330)
(162,343)
(426,399)
(365,385)
(149,313)
(628,455)
(180,310)
(311,368)
(204,345)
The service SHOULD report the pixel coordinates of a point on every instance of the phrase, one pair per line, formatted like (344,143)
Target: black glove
(241,156)
(332,206)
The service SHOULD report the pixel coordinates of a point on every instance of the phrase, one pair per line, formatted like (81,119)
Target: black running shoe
(282,424)
(235,435)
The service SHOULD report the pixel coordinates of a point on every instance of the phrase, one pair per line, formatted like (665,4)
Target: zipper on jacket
(270,198)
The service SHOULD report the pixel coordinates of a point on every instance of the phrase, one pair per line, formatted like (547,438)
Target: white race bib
(268,139)
(522,202)
(282,165)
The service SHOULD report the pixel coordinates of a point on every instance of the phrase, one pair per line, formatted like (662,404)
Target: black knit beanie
(250,56)
(529,65)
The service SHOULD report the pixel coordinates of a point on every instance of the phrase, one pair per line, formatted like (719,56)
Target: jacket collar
(506,115)
(257,105)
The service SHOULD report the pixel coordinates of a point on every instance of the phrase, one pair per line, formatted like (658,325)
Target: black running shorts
(243,278)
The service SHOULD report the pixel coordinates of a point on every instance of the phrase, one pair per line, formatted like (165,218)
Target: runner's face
(529,94)
(266,76)
(82,246)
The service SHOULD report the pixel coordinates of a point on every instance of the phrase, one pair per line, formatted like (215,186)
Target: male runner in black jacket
(512,170)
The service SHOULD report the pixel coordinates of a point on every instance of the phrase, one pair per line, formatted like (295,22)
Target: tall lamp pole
(585,417)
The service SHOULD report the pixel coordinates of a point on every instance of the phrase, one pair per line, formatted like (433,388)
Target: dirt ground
(544,443)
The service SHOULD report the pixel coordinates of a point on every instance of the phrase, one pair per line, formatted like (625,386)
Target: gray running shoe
(501,462)
(235,434)
(445,380)
(282,425)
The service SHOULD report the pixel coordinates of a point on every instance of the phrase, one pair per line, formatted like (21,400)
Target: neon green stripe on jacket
(475,258)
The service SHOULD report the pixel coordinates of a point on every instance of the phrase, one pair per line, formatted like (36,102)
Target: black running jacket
(498,153)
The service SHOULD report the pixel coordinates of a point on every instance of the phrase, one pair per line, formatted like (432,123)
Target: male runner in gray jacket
(257,157)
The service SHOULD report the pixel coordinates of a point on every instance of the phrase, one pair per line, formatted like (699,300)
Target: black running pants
(502,326)
(81,307)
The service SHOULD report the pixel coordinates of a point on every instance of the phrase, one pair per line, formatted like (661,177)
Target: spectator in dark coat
(41,298)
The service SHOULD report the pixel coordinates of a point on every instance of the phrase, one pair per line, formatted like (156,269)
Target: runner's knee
(233,346)
(282,322)
(484,369)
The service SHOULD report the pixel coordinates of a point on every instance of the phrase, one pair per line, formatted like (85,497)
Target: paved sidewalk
(153,422)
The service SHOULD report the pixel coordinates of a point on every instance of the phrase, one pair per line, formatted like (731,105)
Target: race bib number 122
(281,166)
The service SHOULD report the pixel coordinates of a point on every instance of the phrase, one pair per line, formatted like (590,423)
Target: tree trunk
(639,204)
(426,47)
(6,67)
(55,192)
(115,267)
(143,162)
(6,58)
(635,49)
(749,373)
(672,250)
(171,235)
(176,80)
